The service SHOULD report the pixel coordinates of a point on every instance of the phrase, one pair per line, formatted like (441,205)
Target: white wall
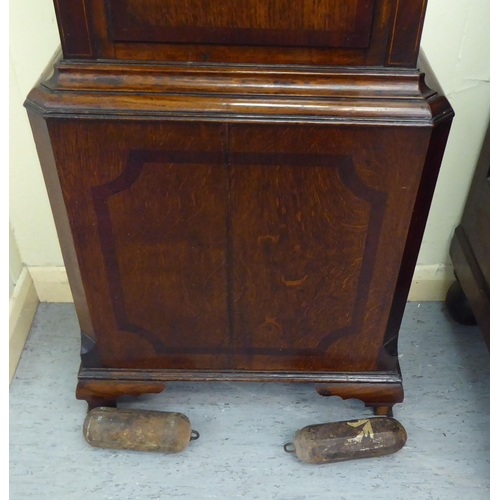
(33,40)
(455,40)
(15,263)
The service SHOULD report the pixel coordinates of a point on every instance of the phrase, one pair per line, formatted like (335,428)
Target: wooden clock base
(376,390)
(240,194)
(241,224)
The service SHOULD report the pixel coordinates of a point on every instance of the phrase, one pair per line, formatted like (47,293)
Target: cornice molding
(238,93)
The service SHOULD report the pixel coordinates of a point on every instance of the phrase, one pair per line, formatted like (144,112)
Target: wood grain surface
(245,247)
(328,23)
(322,32)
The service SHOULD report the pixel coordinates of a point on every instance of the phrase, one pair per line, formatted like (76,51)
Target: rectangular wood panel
(314,23)
(311,32)
(263,248)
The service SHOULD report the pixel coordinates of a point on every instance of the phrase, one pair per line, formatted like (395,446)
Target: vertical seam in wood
(396,12)
(229,248)
(87,26)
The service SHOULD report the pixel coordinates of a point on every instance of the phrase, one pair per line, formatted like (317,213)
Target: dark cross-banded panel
(275,248)
(302,266)
(162,225)
(308,23)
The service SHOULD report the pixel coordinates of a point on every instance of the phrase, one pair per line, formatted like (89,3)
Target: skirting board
(22,309)
(51,284)
(430,283)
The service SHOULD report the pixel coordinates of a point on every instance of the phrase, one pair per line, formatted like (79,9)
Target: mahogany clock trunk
(240,192)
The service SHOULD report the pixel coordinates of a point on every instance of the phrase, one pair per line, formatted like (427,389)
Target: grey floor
(243,428)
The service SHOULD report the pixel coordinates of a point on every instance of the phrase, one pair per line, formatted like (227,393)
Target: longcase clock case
(240,188)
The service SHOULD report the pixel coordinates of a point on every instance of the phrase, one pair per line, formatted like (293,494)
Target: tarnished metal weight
(349,440)
(140,430)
